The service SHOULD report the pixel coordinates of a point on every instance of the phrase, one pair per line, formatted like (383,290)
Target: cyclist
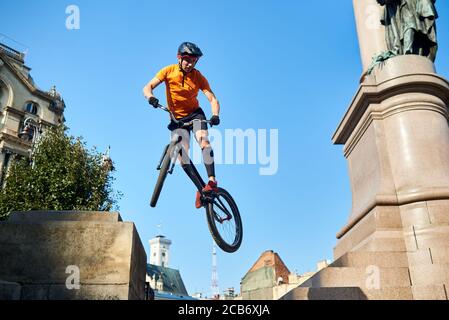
(182,83)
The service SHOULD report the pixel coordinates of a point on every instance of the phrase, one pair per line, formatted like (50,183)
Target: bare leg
(202,137)
(185,161)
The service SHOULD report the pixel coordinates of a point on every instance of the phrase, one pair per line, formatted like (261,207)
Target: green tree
(62,175)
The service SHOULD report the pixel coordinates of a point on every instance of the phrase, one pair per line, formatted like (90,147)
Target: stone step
(359,259)
(370,277)
(436,292)
(372,258)
(349,293)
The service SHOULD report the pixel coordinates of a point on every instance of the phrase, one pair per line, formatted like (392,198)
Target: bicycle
(223,216)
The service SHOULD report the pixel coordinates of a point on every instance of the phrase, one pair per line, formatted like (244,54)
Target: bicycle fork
(162,157)
(168,152)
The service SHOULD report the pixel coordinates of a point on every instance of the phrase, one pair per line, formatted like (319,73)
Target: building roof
(265,272)
(8,55)
(272,259)
(171,279)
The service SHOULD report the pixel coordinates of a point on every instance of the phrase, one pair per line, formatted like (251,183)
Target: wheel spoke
(223,208)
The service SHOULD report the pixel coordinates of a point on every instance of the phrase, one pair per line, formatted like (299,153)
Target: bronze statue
(410,27)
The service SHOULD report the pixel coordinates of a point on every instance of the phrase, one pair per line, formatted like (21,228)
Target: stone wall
(70,255)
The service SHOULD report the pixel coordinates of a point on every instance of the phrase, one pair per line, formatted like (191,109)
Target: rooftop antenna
(214,284)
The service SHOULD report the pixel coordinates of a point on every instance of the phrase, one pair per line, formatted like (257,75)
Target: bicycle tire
(233,243)
(161,178)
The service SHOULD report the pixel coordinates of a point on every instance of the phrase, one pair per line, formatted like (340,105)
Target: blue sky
(290,65)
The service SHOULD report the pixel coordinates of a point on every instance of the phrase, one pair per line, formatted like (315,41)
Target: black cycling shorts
(197,114)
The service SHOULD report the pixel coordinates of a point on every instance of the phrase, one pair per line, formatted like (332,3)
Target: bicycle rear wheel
(223,219)
(161,178)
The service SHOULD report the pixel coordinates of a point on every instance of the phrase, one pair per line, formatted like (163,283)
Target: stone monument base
(396,140)
(70,255)
(379,259)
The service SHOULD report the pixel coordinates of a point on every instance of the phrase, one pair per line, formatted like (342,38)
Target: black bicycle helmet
(190,49)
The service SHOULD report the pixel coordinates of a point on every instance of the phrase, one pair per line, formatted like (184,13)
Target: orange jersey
(182,89)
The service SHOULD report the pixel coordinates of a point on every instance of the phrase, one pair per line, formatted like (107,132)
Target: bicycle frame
(175,148)
(176,139)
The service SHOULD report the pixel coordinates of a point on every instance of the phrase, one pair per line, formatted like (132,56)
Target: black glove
(172,126)
(154,101)
(215,120)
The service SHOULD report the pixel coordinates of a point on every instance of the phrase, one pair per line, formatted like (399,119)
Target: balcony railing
(12,53)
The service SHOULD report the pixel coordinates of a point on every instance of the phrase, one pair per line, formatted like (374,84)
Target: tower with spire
(160,249)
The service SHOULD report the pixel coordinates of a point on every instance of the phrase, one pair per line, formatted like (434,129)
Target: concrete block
(93,247)
(43,252)
(10,290)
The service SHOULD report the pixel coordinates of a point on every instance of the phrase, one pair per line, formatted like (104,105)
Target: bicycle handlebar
(179,122)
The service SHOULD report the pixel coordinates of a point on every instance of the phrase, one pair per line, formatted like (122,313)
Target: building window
(31,107)
(3,96)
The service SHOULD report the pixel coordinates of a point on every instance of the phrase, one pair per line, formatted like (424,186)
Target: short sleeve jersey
(182,89)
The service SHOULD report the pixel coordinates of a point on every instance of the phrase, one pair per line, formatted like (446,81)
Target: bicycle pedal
(205,198)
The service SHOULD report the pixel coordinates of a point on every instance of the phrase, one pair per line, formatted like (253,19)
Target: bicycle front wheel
(223,219)
(161,178)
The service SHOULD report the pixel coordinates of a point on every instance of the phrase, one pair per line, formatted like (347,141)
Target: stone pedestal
(396,140)
(395,244)
(71,255)
(371,33)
